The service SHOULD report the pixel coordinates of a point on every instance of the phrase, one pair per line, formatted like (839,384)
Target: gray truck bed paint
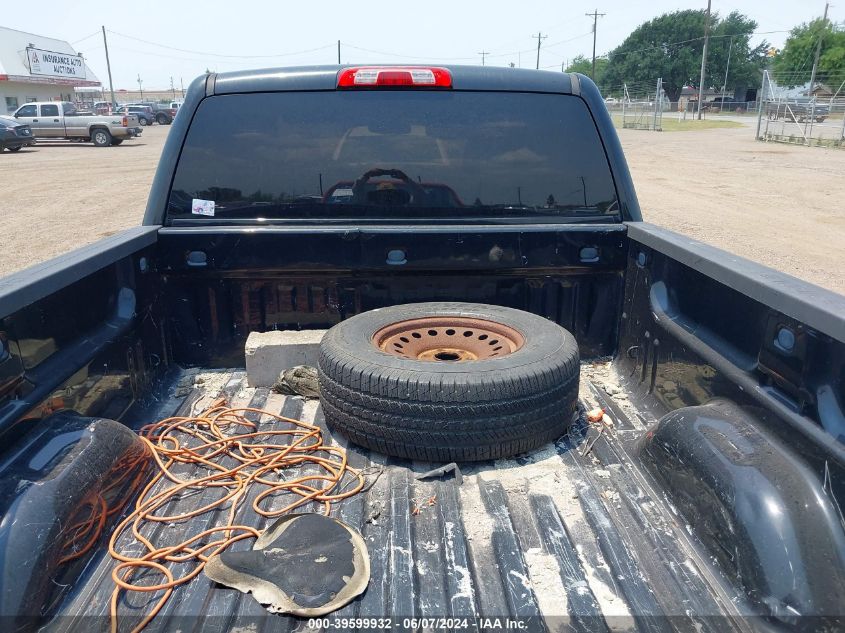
(819,308)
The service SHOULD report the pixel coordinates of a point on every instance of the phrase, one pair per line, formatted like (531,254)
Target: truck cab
(45,119)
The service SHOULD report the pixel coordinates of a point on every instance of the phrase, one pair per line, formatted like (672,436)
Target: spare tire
(449,381)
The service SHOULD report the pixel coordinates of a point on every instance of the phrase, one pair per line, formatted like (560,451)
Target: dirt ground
(780,205)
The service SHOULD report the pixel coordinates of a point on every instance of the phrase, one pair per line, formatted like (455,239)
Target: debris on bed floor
(304,564)
(601,375)
(298,381)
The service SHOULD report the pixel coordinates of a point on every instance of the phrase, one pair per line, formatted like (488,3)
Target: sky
(179,40)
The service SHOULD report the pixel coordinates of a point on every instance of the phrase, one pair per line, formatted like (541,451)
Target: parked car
(631,430)
(162,114)
(722,104)
(143,112)
(797,110)
(60,120)
(14,134)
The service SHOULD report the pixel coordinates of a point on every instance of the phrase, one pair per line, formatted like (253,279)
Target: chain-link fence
(786,110)
(800,117)
(638,107)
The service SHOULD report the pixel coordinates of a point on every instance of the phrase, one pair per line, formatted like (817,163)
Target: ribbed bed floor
(565,539)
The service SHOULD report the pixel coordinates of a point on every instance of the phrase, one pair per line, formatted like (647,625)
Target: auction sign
(52,64)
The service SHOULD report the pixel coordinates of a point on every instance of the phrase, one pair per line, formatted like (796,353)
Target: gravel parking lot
(777,204)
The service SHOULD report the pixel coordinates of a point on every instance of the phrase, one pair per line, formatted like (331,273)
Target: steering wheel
(416,190)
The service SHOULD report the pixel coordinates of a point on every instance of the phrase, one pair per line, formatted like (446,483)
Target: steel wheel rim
(448,339)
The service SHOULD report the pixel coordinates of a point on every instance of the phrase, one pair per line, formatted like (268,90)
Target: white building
(37,68)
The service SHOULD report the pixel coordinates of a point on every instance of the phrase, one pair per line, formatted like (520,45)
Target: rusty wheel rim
(448,339)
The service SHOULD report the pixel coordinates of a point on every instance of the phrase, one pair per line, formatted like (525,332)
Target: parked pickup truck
(163,112)
(658,444)
(60,120)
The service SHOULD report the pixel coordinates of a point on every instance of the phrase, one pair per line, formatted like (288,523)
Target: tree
(794,64)
(670,45)
(584,65)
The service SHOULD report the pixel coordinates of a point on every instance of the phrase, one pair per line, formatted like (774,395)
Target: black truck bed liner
(563,538)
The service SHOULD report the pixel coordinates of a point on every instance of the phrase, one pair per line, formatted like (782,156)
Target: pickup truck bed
(713,503)
(572,531)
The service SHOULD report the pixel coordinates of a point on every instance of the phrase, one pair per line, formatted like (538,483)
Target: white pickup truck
(61,120)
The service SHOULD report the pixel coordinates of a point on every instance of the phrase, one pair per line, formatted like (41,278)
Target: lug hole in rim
(448,339)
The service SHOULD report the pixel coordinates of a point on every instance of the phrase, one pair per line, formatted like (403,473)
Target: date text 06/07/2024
(415,623)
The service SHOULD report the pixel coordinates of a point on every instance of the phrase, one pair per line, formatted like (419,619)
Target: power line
(595,15)
(554,26)
(224,57)
(369,50)
(666,45)
(207,54)
(87,37)
(519,52)
(528,50)
(566,41)
(540,37)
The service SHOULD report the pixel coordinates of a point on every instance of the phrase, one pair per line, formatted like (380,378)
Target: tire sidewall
(108,138)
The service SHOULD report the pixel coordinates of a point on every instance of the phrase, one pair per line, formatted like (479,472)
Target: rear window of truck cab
(387,156)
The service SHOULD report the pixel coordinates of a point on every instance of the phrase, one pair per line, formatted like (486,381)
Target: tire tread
(442,416)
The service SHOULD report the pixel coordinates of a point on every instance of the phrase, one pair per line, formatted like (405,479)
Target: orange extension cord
(203,442)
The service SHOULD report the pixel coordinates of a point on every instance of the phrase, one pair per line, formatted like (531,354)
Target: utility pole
(727,68)
(108,66)
(540,37)
(140,89)
(172,88)
(704,58)
(182,87)
(484,55)
(595,15)
(338,52)
(818,50)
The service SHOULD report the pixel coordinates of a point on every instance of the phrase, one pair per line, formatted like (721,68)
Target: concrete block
(269,353)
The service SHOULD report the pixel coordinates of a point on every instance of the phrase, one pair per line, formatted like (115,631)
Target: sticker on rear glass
(202,207)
